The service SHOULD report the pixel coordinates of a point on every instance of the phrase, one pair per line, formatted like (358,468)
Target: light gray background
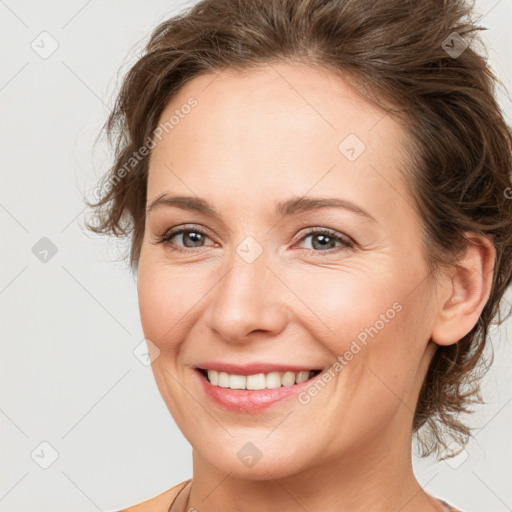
(69,325)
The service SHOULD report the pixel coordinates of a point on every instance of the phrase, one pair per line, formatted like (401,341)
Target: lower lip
(246,400)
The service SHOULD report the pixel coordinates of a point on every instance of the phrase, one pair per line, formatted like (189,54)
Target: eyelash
(348,243)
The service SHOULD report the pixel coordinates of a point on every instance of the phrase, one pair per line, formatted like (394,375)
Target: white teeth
(288,379)
(273,380)
(213,377)
(223,380)
(257,381)
(302,376)
(237,381)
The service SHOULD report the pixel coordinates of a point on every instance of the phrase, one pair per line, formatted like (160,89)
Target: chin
(254,460)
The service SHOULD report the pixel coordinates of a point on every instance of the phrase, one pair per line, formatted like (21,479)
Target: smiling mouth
(259,381)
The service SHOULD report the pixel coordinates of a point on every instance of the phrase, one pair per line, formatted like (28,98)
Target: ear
(465,290)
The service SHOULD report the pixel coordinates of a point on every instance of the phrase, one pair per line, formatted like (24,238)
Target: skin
(259,137)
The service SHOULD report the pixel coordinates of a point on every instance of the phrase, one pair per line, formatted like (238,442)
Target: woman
(318,194)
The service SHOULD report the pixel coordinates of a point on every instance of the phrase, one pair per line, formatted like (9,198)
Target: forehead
(277,130)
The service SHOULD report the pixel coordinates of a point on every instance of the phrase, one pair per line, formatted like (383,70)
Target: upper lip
(252,368)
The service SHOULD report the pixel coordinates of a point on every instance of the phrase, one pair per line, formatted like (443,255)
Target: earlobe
(466,291)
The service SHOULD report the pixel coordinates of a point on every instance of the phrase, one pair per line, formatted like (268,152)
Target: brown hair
(459,146)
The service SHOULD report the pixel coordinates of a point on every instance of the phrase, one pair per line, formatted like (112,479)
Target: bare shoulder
(160,503)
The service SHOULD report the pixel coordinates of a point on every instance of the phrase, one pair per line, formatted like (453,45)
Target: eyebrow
(288,207)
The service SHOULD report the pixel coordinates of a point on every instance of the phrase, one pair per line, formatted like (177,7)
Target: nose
(248,301)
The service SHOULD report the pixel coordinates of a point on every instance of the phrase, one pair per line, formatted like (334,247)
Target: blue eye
(168,236)
(195,235)
(325,237)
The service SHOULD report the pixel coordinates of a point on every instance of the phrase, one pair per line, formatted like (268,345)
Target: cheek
(373,322)
(165,302)
(347,304)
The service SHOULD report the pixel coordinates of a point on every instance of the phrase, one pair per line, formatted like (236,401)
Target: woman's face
(267,275)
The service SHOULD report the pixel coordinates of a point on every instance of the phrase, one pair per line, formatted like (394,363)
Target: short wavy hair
(417,61)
